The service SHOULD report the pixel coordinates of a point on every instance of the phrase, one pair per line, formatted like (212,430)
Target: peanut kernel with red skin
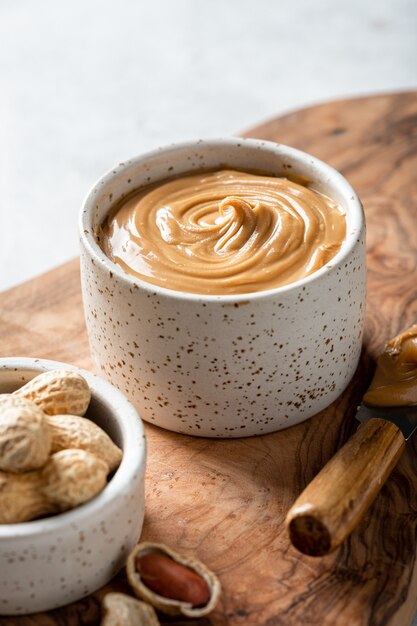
(171,579)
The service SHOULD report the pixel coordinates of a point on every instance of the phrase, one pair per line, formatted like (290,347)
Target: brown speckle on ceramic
(224,366)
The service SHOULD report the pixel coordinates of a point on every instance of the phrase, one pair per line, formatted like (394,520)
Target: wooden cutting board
(225,501)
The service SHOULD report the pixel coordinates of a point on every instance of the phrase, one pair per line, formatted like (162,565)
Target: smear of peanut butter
(224,232)
(395,379)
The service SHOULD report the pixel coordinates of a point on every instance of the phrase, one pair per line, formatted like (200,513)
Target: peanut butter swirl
(395,379)
(224,232)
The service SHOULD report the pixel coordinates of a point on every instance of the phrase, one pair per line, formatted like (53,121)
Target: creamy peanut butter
(395,379)
(224,232)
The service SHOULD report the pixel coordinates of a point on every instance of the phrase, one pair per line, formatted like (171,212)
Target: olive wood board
(225,501)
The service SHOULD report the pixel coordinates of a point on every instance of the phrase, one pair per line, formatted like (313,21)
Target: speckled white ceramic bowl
(50,562)
(225,366)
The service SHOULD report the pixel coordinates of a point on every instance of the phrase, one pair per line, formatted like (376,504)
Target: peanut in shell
(163,603)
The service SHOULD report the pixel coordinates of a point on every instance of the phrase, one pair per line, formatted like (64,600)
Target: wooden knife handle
(333,503)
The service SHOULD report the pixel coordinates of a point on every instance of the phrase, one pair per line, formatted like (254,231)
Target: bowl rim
(352,201)
(133,461)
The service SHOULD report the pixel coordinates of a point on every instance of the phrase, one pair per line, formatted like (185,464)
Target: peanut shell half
(162,603)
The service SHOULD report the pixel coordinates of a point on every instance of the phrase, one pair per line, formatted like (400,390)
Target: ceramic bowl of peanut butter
(224,285)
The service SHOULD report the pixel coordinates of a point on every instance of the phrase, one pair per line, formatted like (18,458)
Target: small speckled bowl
(218,365)
(50,562)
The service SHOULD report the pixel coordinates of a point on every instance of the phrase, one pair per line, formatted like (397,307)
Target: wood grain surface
(226,501)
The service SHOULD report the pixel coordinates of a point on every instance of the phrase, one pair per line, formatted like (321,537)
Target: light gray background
(88,83)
